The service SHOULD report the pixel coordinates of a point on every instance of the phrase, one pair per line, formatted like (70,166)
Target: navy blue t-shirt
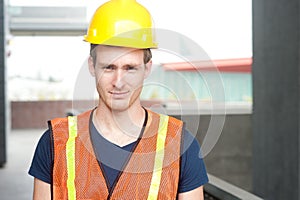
(192,173)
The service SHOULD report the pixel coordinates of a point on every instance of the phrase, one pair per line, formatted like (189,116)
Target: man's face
(119,74)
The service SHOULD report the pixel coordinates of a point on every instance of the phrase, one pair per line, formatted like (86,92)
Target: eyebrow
(128,64)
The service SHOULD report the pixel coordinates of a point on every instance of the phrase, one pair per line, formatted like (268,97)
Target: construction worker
(118,150)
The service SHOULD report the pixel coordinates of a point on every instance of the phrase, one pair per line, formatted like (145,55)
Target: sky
(223,28)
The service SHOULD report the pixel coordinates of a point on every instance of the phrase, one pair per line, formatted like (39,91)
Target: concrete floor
(15,183)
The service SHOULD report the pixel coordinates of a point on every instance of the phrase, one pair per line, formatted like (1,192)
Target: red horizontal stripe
(243,65)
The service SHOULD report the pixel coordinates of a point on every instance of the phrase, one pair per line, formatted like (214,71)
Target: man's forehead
(111,53)
(117,49)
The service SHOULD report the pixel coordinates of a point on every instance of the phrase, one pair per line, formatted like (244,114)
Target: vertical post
(3,96)
(276,92)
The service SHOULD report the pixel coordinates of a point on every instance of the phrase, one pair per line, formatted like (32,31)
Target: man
(119,150)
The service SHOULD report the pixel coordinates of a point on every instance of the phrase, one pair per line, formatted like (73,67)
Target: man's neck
(119,127)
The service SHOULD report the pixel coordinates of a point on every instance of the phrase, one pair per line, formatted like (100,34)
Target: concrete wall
(35,114)
(231,157)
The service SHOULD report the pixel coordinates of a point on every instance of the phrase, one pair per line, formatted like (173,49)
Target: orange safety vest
(152,171)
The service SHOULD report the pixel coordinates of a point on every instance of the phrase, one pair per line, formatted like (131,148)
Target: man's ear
(91,66)
(148,67)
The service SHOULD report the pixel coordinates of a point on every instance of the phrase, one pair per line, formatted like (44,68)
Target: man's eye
(131,68)
(109,67)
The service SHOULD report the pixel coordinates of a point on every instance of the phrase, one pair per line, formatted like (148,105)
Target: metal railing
(218,189)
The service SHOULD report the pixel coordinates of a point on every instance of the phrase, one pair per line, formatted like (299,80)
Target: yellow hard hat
(121,23)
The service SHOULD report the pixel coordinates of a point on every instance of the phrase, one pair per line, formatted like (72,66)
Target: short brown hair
(147,54)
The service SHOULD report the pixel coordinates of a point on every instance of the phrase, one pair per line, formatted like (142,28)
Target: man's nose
(118,81)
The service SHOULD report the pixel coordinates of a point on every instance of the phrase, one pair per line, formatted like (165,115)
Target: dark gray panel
(276,98)
(3,112)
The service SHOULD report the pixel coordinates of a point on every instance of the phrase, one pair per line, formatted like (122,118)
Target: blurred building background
(229,69)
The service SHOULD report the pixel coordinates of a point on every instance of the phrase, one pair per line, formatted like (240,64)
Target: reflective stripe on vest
(70,153)
(158,163)
(159,157)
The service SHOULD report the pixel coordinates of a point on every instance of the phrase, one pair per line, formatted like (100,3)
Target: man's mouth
(119,94)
